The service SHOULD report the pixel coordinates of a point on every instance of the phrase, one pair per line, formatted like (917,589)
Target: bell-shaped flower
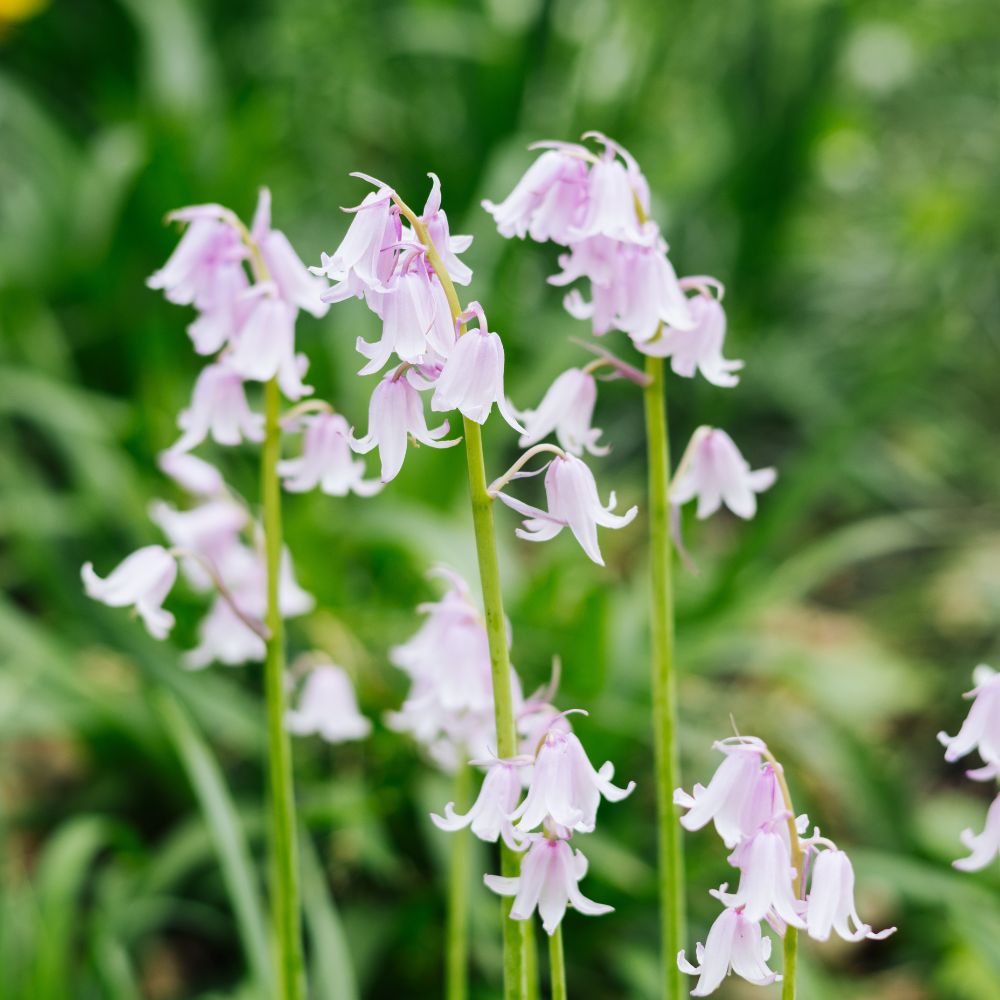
(549,881)
(984,846)
(218,410)
(766,879)
(448,246)
(210,242)
(698,348)
(191,473)
(733,794)
(734,943)
(416,317)
(565,786)
(296,286)
(716,473)
(981,729)
(831,904)
(396,413)
(265,345)
(142,581)
(223,637)
(328,707)
(567,409)
(210,530)
(573,503)
(610,208)
(223,306)
(471,380)
(548,201)
(490,815)
(327,460)
(365,257)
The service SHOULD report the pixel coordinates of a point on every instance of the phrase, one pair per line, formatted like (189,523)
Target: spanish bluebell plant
(247,286)
(790,881)
(596,205)
(406,267)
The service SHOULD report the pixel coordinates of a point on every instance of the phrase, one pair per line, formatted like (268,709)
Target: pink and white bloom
(766,879)
(436,220)
(396,413)
(831,904)
(699,347)
(734,944)
(223,637)
(471,380)
(142,581)
(716,473)
(490,815)
(548,201)
(191,473)
(981,729)
(223,306)
(573,502)
(265,345)
(549,881)
(984,846)
(327,460)
(567,409)
(296,286)
(328,707)
(218,410)
(565,786)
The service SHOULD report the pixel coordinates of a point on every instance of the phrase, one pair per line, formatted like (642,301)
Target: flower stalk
(557,965)
(664,681)
(457,971)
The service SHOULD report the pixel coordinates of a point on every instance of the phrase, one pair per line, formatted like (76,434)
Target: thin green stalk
(557,965)
(531,960)
(285,907)
(457,978)
(791,952)
(668,836)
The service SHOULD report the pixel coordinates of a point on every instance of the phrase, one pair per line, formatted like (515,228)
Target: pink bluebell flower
(218,410)
(142,580)
(715,473)
(734,944)
(435,219)
(223,637)
(981,729)
(327,707)
(395,414)
(490,815)
(326,460)
(984,846)
(567,408)
(191,473)
(766,878)
(831,904)
(549,882)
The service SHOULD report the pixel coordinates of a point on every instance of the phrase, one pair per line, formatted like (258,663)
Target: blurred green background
(835,164)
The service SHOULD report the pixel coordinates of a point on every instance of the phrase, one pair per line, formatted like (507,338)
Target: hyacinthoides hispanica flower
(980,732)
(597,206)
(248,285)
(790,881)
(405,267)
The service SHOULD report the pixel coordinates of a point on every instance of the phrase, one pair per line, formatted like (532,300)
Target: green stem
(457,982)
(531,960)
(669,847)
(791,951)
(557,964)
(284,861)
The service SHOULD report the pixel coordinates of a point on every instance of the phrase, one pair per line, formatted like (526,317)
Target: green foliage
(833,163)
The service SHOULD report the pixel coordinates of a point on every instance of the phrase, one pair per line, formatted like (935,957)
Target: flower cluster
(597,206)
(247,286)
(786,879)
(980,732)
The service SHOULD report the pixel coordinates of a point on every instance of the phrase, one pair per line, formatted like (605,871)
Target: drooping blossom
(573,502)
(981,729)
(142,580)
(549,882)
(567,409)
(698,347)
(435,219)
(490,815)
(396,413)
(265,345)
(327,460)
(734,943)
(566,787)
(831,900)
(191,473)
(295,285)
(984,846)
(328,707)
(218,410)
(766,879)
(223,637)
(716,473)
(471,380)
(223,307)
(547,201)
